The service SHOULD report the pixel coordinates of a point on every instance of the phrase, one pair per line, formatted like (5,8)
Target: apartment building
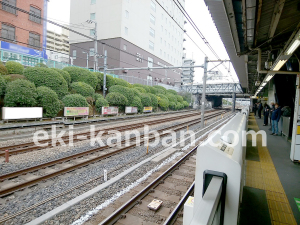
(136,34)
(58,47)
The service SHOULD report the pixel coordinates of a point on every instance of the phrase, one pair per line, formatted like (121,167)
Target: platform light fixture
(269,77)
(279,64)
(295,44)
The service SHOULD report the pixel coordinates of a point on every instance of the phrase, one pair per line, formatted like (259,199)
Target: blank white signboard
(12,113)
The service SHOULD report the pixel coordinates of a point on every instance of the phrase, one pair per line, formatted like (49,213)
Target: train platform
(272,183)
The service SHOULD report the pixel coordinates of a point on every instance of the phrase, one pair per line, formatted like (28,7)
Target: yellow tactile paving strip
(263,175)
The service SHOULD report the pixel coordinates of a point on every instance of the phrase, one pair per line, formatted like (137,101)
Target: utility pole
(104,73)
(203,92)
(96,49)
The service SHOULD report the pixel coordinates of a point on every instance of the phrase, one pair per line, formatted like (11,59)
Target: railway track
(75,161)
(172,187)
(30,146)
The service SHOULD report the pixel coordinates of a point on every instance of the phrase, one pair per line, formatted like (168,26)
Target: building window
(150,62)
(93,2)
(34,40)
(152,19)
(153,6)
(74,54)
(126,14)
(8,8)
(151,45)
(92,32)
(93,16)
(92,52)
(152,32)
(125,47)
(126,30)
(8,32)
(36,17)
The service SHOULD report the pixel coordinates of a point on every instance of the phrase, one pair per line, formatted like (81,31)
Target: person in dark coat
(254,108)
(272,108)
(275,118)
(266,114)
(259,109)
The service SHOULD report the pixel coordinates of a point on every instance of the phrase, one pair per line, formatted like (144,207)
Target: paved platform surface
(272,181)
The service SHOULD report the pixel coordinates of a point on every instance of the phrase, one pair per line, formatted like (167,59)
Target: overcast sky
(59,10)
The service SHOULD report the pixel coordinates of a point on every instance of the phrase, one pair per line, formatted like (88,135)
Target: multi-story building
(58,47)
(136,34)
(187,76)
(23,36)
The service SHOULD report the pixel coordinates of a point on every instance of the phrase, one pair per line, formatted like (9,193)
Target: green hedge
(179,106)
(171,97)
(136,102)
(100,103)
(186,96)
(48,99)
(179,98)
(127,92)
(154,100)
(98,96)
(140,89)
(185,104)
(12,77)
(163,96)
(82,89)
(3,70)
(110,81)
(121,82)
(142,86)
(116,99)
(75,100)
(65,75)
(146,100)
(3,84)
(41,65)
(136,92)
(20,93)
(172,105)
(47,77)
(14,67)
(160,89)
(172,92)
(163,104)
(83,75)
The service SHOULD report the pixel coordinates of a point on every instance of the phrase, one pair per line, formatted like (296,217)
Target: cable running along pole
(104,73)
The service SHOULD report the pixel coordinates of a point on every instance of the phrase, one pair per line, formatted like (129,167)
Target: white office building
(141,28)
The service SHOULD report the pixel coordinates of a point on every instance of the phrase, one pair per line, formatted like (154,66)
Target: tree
(20,93)
(47,77)
(48,99)
(121,82)
(82,89)
(146,100)
(136,102)
(75,100)
(65,75)
(14,67)
(163,104)
(127,92)
(101,102)
(154,100)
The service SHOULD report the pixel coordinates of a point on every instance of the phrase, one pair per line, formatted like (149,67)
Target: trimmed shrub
(121,82)
(20,93)
(12,77)
(82,89)
(140,89)
(98,96)
(100,103)
(146,99)
(75,100)
(3,84)
(179,98)
(185,104)
(47,77)
(172,92)
(172,98)
(3,70)
(162,89)
(154,100)
(142,86)
(48,99)
(65,75)
(172,105)
(14,67)
(116,99)
(136,102)
(127,92)
(163,104)
(163,96)
(153,90)
(136,92)
(110,81)
(41,65)
(179,106)
(186,96)
(83,75)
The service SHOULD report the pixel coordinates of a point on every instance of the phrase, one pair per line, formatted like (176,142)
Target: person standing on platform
(260,107)
(272,108)
(266,114)
(255,108)
(275,118)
